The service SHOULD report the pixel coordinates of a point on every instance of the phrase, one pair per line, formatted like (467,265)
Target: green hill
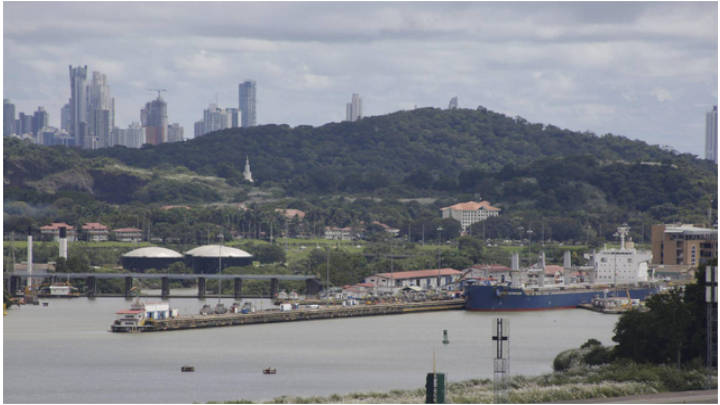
(527,169)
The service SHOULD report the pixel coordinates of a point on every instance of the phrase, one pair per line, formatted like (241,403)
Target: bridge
(312,283)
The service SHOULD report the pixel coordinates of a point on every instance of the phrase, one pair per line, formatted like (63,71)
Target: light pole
(222,239)
(327,272)
(529,233)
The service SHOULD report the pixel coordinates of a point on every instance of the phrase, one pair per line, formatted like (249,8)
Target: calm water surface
(64,353)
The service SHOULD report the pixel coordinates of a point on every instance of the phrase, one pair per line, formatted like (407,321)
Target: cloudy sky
(643,70)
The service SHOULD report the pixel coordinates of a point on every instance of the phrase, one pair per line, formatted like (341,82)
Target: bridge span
(14,280)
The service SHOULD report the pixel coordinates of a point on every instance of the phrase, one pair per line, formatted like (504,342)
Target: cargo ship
(506,298)
(619,272)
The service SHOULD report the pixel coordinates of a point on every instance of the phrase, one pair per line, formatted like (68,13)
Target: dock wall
(212,321)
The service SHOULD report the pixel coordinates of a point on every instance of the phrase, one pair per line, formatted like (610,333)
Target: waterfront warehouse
(149,258)
(209,258)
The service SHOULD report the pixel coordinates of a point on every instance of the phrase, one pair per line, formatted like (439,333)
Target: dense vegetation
(672,331)
(564,185)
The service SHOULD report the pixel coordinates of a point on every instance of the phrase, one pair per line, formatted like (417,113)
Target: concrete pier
(212,321)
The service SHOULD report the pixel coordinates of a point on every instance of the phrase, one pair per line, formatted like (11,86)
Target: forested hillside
(528,170)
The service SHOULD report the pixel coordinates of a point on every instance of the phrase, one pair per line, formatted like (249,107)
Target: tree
(470,247)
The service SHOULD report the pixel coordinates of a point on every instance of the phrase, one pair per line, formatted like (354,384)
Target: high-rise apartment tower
(711,135)
(353,109)
(154,121)
(78,105)
(8,118)
(247,103)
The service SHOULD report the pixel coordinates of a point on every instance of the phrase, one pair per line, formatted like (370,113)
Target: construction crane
(158,91)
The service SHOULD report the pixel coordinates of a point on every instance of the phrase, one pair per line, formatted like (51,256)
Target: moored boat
(614,273)
(140,314)
(59,290)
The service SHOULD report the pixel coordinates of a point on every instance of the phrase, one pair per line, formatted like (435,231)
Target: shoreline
(587,383)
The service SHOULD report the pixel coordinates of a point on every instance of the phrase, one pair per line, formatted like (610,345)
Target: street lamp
(530,232)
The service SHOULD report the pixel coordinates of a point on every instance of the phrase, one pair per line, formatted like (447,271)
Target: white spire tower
(246,173)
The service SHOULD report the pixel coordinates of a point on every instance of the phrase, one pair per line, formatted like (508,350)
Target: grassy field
(607,381)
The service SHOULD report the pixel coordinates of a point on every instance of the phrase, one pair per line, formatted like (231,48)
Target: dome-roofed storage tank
(208,259)
(152,257)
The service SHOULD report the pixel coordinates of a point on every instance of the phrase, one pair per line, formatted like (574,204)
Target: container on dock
(286,307)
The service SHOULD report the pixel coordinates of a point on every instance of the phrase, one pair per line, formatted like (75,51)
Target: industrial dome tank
(152,257)
(207,259)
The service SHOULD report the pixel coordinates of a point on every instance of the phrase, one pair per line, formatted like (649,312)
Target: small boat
(270,370)
(187,369)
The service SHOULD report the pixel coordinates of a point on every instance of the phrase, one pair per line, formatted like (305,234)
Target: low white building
(426,279)
(335,233)
(128,234)
(470,212)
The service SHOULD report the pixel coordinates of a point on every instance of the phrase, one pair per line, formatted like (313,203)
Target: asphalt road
(682,397)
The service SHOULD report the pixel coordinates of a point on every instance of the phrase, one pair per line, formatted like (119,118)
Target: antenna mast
(158,91)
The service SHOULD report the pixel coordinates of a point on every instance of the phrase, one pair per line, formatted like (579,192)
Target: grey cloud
(575,65)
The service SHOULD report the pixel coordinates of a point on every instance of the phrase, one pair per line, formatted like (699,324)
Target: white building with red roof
(52,231)
(389,229)
(95,232)
(128,234)
(470,212)
(427,279)
(335,233)
(291,213)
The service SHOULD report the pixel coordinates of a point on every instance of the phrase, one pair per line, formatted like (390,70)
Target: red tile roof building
(52,231)
(334,233)
(291,213)
(128,234)
(95,232)
(432,278)
(470,212)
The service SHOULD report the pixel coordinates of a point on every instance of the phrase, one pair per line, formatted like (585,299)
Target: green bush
(598,355)
(590,343)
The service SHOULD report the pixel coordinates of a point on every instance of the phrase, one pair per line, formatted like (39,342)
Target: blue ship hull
(502,298)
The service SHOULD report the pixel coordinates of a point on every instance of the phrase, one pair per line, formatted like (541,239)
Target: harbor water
(63,353)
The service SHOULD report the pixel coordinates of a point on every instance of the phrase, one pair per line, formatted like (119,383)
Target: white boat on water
(136,318)
(59,290)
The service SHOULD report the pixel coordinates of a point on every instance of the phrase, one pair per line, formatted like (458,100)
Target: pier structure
(303,314)
(312,283)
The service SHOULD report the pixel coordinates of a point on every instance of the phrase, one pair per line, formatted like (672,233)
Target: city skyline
(647,71)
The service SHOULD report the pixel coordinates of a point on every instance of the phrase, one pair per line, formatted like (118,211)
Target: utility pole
(327,272)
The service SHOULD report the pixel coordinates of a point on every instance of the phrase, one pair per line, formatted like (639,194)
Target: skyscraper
(65,117)
(175,133)
(24,124)
(154,120)
(711,135)
(39,121)
(8,117)
(78,105)
(353,109)
(214,119)
(234,117)
(246,96)
(101,114)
